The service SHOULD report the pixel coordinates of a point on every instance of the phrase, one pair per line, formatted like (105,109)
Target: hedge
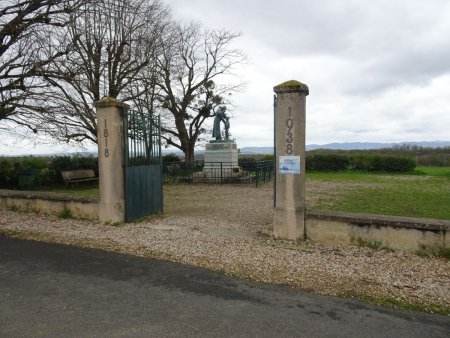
(378,163)
(48,170)
(382,163)
(170,158)
(327,162)
(61,163)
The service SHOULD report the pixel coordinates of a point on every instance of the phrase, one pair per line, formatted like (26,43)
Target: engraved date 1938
(289,134)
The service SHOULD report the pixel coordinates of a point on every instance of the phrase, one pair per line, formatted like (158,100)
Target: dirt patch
(241,207)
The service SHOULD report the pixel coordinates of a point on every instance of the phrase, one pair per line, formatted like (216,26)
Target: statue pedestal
(217,152)
(221,161)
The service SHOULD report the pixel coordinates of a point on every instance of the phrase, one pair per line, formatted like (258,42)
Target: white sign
(289,164)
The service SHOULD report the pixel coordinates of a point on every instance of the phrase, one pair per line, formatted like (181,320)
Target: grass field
(424,194)
(435,171)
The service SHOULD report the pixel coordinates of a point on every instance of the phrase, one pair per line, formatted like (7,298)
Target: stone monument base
(221,161)
(217,152)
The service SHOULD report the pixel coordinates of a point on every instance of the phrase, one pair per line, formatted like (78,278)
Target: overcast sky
(378,71)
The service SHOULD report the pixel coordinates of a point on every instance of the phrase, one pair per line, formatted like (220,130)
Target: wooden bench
(75,176)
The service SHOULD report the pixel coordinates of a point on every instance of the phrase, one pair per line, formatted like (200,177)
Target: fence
(218,172)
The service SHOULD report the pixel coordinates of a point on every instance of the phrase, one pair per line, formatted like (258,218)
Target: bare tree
(111,43)
(23,25)
(127,49)
(190,75)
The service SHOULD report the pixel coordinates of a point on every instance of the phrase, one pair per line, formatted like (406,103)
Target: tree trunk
(189,152)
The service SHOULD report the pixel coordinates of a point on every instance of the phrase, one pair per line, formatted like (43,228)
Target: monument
(221,154)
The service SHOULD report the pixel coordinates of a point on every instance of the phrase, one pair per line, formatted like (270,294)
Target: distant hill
(374,145)
(350,146)
(269,150)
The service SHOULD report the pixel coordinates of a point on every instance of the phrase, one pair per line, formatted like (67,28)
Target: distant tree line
(57,57)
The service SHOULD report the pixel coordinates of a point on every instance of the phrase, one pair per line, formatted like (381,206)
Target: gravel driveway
(227,228)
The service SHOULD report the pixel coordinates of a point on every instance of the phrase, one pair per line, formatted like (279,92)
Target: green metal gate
(143,165)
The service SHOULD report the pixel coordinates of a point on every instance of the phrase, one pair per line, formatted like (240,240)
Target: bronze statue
(220,116)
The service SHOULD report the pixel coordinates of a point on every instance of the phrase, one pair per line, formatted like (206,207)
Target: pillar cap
(110,102)
(291,86)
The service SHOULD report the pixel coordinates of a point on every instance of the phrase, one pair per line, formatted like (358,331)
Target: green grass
(443,252)
(14,208)
(114,224)
(76,190)
(425,196)
(346,176)
(433,171)
(65,214)
(374,245)
(439,252)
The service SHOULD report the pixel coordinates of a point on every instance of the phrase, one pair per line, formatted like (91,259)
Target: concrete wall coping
(52,196)
(381,220)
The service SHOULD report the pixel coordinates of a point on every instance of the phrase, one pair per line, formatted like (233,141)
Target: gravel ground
(227,228)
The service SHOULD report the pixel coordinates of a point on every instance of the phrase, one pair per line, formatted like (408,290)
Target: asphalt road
(50,290)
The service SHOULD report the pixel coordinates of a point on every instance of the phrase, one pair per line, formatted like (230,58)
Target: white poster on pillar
(289,164)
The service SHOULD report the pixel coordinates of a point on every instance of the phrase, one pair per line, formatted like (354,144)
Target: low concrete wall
(391,232)
(379,231)
(50,203)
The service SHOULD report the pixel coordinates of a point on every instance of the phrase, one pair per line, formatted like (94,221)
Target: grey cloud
(385,43)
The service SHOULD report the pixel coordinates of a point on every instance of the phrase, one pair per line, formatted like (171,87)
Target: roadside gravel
(227,228)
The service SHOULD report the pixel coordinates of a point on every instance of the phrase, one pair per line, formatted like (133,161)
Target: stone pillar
(111,159)
(290,160)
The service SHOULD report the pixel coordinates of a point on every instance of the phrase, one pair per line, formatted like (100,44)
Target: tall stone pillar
(290,160)
(110,118)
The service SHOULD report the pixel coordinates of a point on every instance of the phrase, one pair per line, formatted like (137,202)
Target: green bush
(267,157)
(360,162)
(31,162)
(383,163)
(397,164)
(61,163)
(48,170)
(74,163)
(170,158)
(247,163)
(6,173)
(11,168)
(329,162)
(363,162)
(44,178)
